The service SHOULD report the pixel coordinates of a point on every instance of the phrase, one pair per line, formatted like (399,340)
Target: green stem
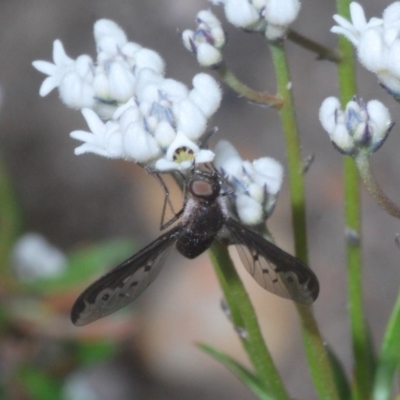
(10,220)
(362,349)
(324,53)
(235,84)
(295,162)
(363,165)
(245,322)
(389,357)
(314,345)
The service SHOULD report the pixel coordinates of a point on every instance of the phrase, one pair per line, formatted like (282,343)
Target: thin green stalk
(362,349)
(245,322)
(362,162)
(389,357)
(313,343)
(323,52)
(239,87)
(295,162)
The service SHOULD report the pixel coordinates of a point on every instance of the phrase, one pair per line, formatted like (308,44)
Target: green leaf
(247,377)
(389,357)
(339,376)
(95,352)
(39,385)
(84,264)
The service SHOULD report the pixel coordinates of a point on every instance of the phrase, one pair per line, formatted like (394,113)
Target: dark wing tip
(76,314)
(124,283)
(273,268)
(302,284)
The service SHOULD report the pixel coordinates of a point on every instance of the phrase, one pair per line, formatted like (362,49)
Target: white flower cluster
(150,119)
(272,17)
(135,113)
(359,128)
(34,258)
(207,40)
(377,42)
(256,185)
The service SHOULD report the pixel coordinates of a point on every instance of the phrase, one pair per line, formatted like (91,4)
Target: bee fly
(204,218)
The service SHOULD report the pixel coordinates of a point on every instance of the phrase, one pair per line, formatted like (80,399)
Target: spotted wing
(124,283)
(272,268)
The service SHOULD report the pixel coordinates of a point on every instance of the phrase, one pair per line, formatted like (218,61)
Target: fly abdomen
(191,244)
(201,225)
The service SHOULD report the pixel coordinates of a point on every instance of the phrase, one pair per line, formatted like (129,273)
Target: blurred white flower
(34,258)
(77,386)
(377,42)
(256,184)
(360,127)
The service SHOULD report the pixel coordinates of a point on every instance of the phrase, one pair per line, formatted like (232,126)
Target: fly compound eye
(204,189)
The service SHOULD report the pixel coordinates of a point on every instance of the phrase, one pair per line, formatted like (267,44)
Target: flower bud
(361,127)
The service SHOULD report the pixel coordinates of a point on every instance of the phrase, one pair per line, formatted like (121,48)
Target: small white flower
(105,139)
(249,210)
(206,94)
(241,13)
(189,119)
(207,55)
(139,145)
(103,85)
(147,81)
(109,37)
(371,49)
(377,42)
(272,17)
(164,134)
(207,20)
(75,92)
(361,127)
(127,114)
(182,154)
(56,71)
(121,82)
(207,40)
(269,172)
(73,78)
(227,159)
(358,25)
(281,13)
(34,258)
(146,58)
(256,184)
